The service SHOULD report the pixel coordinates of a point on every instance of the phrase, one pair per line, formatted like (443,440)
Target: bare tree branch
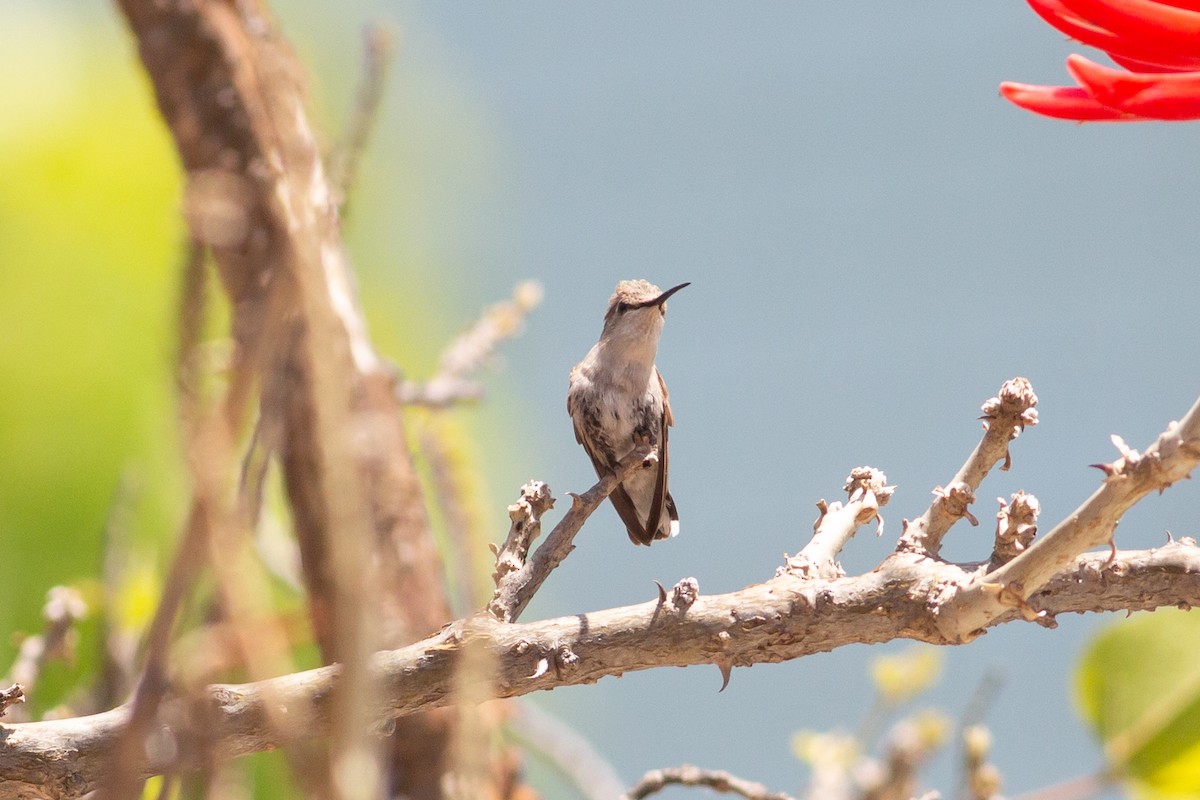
(64,607)
(515,587)
(785,618)
(1005,416)
(868,492)
(567,750)
(471,350)
(1172,456)
(13,695)
(687,775)
(378,49)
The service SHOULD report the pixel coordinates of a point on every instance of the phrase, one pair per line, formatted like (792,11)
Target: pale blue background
(876,242)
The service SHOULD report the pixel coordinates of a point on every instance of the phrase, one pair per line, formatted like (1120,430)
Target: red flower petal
(1061,102)
(1173,96)
(1058,16)
(1193,5)
(1134,65)
(1143,22)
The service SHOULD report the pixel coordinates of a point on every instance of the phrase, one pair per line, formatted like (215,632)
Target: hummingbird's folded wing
(659,499)
(623,503)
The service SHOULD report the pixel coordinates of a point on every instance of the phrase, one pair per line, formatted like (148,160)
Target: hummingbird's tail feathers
(623,503)
(673,516)
(639,533)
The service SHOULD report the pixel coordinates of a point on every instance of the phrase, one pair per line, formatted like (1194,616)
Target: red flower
(1156,41)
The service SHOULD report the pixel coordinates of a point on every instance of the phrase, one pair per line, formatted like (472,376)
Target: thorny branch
(471,351)
(868,492)
(64,607)
(687,775)
(518,578)
(377,58)
(785,618)
(1172,457)
(794,614)
(1005,417)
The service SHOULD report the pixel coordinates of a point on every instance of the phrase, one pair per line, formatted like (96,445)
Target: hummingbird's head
(633,324)
(639,307)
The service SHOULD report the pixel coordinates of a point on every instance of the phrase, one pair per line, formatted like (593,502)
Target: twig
(125,755)
(1005,416)
(568,752)
(526,525)
(1172,456)
(868,492)
(469,352)
(64,607)
(10,697)
(119,644)
(687,775)
(910,744)
(516,587)
(972,717)
(189,372)
(982,777)
(461,497)
(378,50)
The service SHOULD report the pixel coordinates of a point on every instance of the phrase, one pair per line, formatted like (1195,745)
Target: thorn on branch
(1124,464)
(723,661)
(725,665)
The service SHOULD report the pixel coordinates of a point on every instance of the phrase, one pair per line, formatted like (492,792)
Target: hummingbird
(617,400)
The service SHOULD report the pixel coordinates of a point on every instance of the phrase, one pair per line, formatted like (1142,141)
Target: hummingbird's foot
(644,436)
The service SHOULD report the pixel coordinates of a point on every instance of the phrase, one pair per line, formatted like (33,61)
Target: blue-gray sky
(875,241)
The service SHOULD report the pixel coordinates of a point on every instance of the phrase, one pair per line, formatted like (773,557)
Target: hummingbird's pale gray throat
(617,400)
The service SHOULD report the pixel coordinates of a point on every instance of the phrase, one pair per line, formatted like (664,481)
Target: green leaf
(1139,689)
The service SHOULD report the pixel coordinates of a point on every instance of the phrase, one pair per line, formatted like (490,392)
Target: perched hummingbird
(618,400)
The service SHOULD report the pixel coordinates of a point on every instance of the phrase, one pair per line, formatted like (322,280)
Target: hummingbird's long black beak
(662,298)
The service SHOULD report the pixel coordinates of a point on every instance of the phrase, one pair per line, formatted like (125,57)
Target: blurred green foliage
(90,256)
(1138,686)
(89,239)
